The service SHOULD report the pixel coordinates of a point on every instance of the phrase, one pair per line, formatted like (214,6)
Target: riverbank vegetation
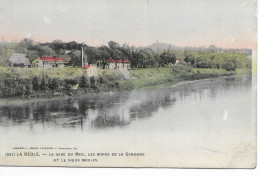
(36,83)
(148,68)
(211,57)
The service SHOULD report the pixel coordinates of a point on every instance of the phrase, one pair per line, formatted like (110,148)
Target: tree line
(138,57)
(226,60)
(71,51)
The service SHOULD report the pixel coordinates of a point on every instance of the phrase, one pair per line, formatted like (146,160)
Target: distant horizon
(121,44)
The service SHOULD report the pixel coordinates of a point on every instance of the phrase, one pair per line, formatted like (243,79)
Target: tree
(104,54)
(58,46)
(92,54)
(229,66)
(68,84)
(167,58)
(25,45)
(117,54)
(53,84)
(189,59)
(73,46)
(32,55)
(5,53)
(35,83)
(75,58)
(113,45)
(43,85)
(44,50)
(83,82)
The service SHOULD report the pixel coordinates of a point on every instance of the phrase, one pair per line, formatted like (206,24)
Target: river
(205,123)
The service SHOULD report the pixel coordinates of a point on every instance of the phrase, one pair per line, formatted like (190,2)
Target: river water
(206,123)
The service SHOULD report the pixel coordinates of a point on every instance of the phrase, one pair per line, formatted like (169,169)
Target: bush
(43,84)
(53,84)
(68,83)
(83,82)
(229,66)
(35,83)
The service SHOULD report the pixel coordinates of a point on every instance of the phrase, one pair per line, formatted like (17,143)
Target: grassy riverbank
(37,83)
(154,77)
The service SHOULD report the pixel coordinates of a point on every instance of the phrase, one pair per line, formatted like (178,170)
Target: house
(18,60)
(91,70)
(51,62)
(177,61)
(118,64)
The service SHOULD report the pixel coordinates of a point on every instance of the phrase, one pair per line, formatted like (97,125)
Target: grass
(66,72)
(150,77)
(20,80)
(161,77)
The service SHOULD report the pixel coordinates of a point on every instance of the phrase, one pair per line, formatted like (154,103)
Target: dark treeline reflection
(111,110)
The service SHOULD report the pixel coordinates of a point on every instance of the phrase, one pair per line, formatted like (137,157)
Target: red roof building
(51,62)
(116,64)
(91,70)
(118,61)
(52,59)
(86,66)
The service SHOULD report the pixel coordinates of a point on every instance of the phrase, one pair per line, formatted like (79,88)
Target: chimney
(82,62)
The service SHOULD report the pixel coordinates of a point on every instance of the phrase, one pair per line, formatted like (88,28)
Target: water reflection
(107,110)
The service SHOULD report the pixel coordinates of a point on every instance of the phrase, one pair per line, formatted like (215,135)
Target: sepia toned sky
(225,23)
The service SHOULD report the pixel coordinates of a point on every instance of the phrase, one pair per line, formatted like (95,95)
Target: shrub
(35,83)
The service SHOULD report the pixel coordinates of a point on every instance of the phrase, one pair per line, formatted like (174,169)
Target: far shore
(142,83)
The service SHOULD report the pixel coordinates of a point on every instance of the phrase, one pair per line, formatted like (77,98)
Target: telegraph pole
(82,63)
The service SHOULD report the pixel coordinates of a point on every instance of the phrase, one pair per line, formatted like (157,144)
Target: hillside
(162,46)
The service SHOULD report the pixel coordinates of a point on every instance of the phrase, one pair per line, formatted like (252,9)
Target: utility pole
(82,63)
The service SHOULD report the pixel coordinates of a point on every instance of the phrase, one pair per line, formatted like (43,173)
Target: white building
(91,70)
(18,60)
(178,60)
(118,64)
(51,62)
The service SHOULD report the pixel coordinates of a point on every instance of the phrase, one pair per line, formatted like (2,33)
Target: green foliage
(36,83)
(211,57)
(44,50)
(43,84)
(226,60)
(84,82)
(5,52)
(68,85)
(53,84)
(14,84)
(149,68)
(167,58)
(32,55)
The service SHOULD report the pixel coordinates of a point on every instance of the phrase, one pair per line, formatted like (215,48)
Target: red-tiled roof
(86,66)
(178,59)
(52,59)
(118,61)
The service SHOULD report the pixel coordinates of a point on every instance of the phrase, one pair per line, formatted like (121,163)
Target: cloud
(46,20)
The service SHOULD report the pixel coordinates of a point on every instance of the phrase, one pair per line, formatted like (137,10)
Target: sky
(224,23)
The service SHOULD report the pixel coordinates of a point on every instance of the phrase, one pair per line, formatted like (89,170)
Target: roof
(118,61)
(178,59)
(52,59)
(86,66)
(19,58)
